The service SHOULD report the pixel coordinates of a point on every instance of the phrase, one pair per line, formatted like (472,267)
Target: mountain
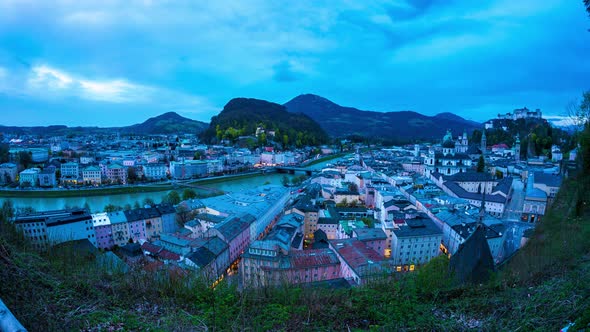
(242,117)
(455,117)
(167,123)
(342,121)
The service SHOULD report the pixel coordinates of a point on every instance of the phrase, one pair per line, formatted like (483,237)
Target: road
(514,207)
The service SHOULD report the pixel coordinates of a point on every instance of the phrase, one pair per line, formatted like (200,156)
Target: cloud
(46,82)
(51,82)
(286,71)
(474,58)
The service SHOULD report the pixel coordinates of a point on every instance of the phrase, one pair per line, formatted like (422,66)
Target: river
(97,203)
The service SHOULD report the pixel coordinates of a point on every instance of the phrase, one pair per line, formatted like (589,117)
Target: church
(451,160)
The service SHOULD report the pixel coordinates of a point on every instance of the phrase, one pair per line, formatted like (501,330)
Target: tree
(25,158)
(188,194)
(285,181)
(136,205)
(183,215)
(7,211)
(4,153)
(171,198)
(111,208)
(148,201)
(481,164)
(353,187)
(131,175)
(198,155)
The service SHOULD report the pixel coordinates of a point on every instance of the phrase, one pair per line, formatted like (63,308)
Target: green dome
(448,140)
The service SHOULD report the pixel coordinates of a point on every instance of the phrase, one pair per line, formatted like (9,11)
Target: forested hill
(242,117)
(536,135)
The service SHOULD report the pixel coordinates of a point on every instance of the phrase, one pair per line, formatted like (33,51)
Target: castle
(521,113)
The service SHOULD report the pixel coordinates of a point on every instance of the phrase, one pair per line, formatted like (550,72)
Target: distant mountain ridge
(340,121)
(167,123)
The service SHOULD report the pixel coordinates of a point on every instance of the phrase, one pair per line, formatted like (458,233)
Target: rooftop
(417,227)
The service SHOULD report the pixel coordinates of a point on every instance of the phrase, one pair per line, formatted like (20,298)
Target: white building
(155,171)
(54,227)
(450,161)
(91,175)
(415,243)
(29,176)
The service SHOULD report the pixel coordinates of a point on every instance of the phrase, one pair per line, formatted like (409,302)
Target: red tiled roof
(311,258)
(355,252)
(168,255)
(151,248)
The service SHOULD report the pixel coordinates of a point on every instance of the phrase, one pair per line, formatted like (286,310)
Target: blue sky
(114,63)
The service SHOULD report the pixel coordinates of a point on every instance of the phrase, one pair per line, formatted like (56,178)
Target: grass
(324,159)
(544,287)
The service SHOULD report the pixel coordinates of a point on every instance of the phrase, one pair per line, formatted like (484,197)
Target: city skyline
(119,64)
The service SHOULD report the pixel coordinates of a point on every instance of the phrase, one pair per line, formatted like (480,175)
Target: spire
(483,142)
(482,208)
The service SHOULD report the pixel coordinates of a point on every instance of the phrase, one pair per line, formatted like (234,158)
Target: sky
(116,63)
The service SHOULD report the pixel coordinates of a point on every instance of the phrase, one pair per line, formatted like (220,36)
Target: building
(521,113)
(188,169)
(374,238)
(535,201)
(47,177)
(415,243)
(116,173)
(360,264)
(548,183)
(70,172)
(310,213)
(136,223)
(49,228)
(475,187)
(120,228)
(211,259)
(236,233)
(92,175)
(155,171)
(168,216)
(267,263)
(449,161)
(103,230)
(29,177)
(8,173)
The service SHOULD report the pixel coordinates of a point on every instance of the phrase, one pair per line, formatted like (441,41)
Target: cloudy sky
(113,63)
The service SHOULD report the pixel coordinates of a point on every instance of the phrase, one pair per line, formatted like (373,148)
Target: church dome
(448,140)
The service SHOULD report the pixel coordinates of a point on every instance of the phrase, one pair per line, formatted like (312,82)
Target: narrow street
(514,207)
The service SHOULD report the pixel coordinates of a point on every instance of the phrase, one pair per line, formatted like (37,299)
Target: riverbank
(130,189)
(324,159)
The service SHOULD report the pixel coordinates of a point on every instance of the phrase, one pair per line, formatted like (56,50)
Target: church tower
(483,142)
(517,148)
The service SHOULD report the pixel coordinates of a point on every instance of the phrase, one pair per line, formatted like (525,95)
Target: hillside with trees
(536,136)
(243,116)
